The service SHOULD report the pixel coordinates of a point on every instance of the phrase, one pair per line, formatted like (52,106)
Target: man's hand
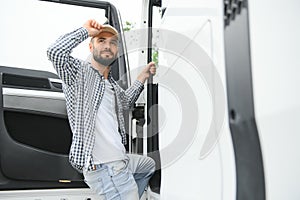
(93,27)
(149,69)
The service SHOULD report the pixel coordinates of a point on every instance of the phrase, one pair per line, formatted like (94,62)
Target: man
(95,104)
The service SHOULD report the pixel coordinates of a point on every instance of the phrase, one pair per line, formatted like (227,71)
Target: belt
(97,166)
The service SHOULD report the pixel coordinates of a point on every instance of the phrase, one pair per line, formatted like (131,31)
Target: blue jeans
(121,180)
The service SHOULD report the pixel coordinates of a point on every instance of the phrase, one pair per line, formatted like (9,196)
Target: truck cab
(220,117)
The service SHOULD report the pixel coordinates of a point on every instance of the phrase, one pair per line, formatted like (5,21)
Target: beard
(103,60)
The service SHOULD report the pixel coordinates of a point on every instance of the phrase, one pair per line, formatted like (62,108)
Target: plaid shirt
(83,87)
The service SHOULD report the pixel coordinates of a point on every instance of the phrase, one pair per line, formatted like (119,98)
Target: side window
(30,26)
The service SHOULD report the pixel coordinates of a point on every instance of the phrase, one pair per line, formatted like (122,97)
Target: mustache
(106,51)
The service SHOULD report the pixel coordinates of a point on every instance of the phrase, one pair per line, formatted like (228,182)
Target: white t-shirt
(108,146)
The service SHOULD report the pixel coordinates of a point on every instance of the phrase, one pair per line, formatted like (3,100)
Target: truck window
(31,26)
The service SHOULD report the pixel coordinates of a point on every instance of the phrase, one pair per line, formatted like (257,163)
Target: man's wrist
(142,79)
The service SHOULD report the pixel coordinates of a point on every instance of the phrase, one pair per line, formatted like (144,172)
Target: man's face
(104,48)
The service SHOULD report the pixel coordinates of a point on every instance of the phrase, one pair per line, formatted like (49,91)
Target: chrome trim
(55,80)
(33,93)
(33,100)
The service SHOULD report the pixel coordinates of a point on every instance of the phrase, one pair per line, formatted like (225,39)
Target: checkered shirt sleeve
(59,54)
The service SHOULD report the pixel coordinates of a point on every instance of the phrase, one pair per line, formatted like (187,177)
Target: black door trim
(152,101)
(248,156)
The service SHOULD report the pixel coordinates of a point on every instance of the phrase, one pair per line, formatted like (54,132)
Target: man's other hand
(93,27)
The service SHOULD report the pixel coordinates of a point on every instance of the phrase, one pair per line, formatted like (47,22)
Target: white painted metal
(275,47)
(50,194)
(190,177)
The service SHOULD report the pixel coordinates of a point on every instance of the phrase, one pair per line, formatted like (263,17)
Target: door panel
(35,135)
(40,131)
